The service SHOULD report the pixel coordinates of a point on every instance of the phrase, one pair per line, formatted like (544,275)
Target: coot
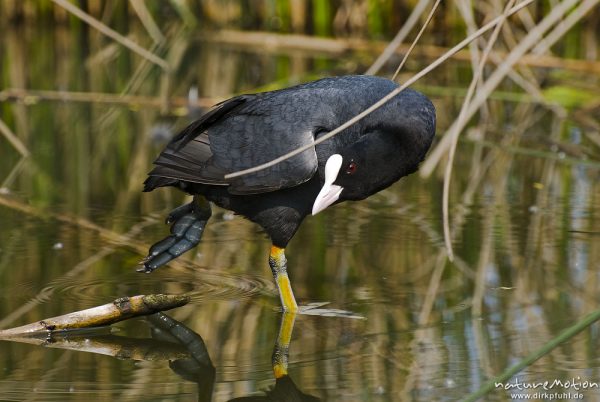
(248,130)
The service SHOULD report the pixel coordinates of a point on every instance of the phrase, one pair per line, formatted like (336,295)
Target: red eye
(351,169)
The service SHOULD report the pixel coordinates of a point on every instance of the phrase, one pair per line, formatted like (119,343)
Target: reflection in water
(284,391)
(198,366)
(184,349)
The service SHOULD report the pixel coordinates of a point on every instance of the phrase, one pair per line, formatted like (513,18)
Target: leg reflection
(281,350)
(198,367)
(285,389)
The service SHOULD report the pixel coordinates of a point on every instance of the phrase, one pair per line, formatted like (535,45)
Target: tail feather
(153,182)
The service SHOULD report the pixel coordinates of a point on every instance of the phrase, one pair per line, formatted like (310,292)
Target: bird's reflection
(185,351)
(285,390)
(198,367)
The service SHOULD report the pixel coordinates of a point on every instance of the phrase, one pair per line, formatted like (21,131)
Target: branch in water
(119,310)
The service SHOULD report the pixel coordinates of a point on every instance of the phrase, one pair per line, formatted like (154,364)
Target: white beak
(330,192)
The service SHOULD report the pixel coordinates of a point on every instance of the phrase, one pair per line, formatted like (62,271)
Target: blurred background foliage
(91,114)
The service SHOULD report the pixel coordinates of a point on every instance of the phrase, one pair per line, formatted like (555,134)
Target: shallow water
(526,238)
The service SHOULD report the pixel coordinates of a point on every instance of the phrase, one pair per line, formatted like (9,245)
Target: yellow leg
(278,265)
(282,346)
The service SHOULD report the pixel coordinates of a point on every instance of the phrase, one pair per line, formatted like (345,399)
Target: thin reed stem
(529,41)
(461,121)
(146,18)
(128,43)
(383,100)
(412,46)
(392,47)
(13,139)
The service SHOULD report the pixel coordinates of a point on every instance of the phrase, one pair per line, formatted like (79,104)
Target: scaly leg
(187,225)
(278,265)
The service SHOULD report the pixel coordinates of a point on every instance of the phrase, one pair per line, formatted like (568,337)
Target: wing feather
(240,133)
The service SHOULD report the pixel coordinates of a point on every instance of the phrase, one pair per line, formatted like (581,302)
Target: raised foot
(187,225)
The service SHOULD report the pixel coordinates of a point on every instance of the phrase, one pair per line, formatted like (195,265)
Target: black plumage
(248,130)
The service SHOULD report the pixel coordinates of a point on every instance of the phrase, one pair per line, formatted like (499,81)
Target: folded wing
(237,134)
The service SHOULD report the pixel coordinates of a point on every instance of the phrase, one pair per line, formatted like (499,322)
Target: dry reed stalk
(465,8)
(293,44)
(134,83)
(383,100)
(13,139)
(511,39)
(147,21)
(563,26)
(15,170)
(531,87)
(29,96)
(393,46)
(128,43)
(529,41)
(414,43)
(460,123)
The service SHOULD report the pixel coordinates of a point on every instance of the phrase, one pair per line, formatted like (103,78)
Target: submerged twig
(383,100)
(119,310)
(128,43)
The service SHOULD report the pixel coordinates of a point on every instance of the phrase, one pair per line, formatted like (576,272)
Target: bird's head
(383,154)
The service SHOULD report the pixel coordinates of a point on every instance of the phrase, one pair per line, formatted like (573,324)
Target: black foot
(187,225)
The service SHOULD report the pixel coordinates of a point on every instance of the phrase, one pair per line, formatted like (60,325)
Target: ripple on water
(19,290)
(202,285)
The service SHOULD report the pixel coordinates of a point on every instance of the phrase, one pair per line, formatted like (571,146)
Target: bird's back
(249,130)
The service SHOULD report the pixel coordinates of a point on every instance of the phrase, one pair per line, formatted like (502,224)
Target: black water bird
(248,130)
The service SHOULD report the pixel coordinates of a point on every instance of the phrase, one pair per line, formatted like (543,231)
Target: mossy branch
(119,310)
